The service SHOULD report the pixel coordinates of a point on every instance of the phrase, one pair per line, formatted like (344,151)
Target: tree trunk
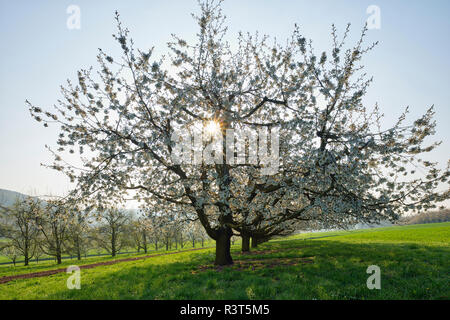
(223,255)
(245,243)
(113,243)
(78,247)
(58,253)
(254,242)
(144,236)
(26,254)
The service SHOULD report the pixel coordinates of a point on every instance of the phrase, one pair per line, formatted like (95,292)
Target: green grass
(414,263)
(422,233)
(69,260)
(8,270)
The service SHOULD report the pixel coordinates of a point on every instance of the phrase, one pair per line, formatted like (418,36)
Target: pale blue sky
(38,52)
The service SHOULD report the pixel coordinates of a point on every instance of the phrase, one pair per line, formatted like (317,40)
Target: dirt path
(6,279)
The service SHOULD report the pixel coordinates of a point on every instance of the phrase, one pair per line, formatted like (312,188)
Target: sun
(212,127)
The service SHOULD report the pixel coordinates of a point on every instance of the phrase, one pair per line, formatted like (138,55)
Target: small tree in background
(194,231)
(139,230)
(78,241)
(155,228)
(110,234)
(38,254)
(18,225)
(11,252)
(53,222)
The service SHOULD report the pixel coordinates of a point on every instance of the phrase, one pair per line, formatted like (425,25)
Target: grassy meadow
(414,262)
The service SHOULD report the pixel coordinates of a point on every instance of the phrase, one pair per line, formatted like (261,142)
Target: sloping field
(413,260)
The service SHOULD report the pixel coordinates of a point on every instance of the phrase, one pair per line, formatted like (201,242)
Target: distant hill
(8,197)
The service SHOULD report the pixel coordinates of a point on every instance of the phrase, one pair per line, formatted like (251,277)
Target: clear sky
(38,52)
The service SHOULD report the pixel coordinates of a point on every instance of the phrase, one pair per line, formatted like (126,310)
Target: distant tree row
(427,217)
(34,228)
